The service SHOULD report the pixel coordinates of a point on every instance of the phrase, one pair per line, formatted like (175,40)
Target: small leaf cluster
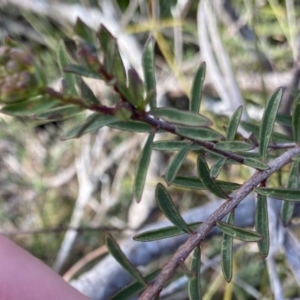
(24,90)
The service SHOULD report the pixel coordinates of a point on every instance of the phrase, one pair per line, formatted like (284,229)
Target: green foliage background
(39,177)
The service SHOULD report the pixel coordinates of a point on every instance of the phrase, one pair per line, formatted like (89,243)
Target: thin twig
(236,197)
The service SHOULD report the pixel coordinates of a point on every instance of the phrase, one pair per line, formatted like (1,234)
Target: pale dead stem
(210,222)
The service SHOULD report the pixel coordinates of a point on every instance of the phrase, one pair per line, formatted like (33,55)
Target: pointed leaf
(171,145)
(108,47)
(130,125)
(234,123)
(92,123)
(177,116)
(176,163)
(149,71)
(130,290)
(296,120)
(255,163)
(125,92)
(167,206)
(81,71)
(196,91)
(234,146)
(83,31)
(112,59)
(200,134)
(251,126)
(196,183)
(163,233)
(60,113)
(239,233)
(287,208)
(87,94)
(227,252)
(262,224)
(194,288)
(119,256)
(142,168)
(30,107)
(64,59)
(136,88)
(217,167)
(267,123)
(211,184)
(285,194)
(256,156)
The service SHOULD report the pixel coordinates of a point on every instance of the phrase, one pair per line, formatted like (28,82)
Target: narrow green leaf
(176,163)
(136,88)
(63,60)
(107,43)
(285,194)
(196,91)
(255,163)
(296,120)
(81,71)
(130,290)
(255,155)
(60,113)
(119,256)
(200,134)
(87,94)
(163,233)
(130,125)
(142,168)
(262,224)
(149,71)
(234,123)
(267,123)
(284,119)
(30,107)
(180,116)
(239,233)
(211,184)
(227,252)
(234,146)
(167,206)
(276,137)
(217,167)
(171,145)
(287,210)
(112,59)
(287,207)
(92,123)
(196,183)
(128,95)
(194,288)
(83,31)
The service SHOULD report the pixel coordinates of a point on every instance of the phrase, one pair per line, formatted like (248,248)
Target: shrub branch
(195,239)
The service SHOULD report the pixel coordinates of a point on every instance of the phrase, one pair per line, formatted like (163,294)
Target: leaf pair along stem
(160,124)
(194,240)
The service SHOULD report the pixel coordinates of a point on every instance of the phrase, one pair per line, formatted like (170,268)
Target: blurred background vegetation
(48,185)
